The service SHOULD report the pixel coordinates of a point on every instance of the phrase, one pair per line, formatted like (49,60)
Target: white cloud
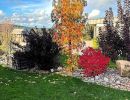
(30,19)
(39,17)
(100,6)
(101,3)
(33,14)
(1,13)
(94,13)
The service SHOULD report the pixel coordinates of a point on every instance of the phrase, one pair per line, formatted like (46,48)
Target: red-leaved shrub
(93,62)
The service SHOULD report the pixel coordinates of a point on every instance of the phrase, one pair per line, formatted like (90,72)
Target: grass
(112,64)
(63,59)
(17,85)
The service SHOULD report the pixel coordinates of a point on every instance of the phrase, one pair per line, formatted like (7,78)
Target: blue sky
(37,12)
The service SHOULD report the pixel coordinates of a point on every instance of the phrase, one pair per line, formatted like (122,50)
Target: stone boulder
(123,67)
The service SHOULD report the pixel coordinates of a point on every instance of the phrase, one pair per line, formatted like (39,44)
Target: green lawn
(17,85)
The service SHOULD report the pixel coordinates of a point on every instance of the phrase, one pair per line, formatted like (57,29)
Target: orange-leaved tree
(69,21)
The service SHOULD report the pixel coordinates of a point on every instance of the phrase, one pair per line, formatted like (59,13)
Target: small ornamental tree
(69,24)
(110,41)
(41,51)
(126,29)
(93,62)
(6,29)
(126,36)
(124,25)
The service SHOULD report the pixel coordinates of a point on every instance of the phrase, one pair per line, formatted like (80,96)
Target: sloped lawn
(17,85)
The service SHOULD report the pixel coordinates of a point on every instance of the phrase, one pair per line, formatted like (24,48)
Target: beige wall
(99,23)
(18,36)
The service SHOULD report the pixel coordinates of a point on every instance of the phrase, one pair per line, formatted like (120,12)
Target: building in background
(18,36)
(98,23)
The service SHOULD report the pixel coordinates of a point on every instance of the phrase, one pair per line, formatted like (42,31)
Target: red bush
(93,62)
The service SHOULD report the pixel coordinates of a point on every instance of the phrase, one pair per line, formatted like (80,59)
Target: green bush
(112,64)
(40,52)
(63,59)
(95,43)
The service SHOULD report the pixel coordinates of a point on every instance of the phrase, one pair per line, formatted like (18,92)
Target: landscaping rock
(106,79)
(59,69)
(111,78)
(96,77)
(123,67)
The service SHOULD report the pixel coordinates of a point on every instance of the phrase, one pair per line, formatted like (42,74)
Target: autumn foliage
(67,16)
(93,62)
(68,24)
